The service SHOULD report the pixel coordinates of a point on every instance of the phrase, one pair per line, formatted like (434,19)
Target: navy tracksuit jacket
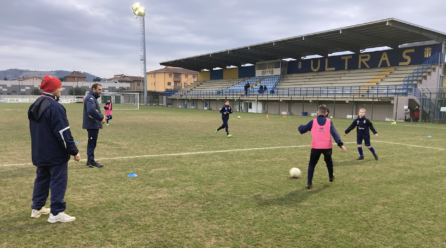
(225,117)
(362,127)
(51,147)
(92,122)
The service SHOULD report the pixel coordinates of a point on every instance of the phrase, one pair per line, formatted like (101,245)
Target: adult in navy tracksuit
(362,125)
(316,148)
(51,146)
(92,121)
(225,111)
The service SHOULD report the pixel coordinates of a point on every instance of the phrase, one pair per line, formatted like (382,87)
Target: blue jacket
(228,111)
(92,112)
(362,127)
(51,140)
(321,121)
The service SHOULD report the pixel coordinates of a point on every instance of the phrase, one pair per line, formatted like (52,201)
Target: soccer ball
(295,173)
(238,117)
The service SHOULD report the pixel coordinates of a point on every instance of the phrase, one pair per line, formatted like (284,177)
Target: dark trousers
(246,92)
(314,158)
(53,177)
(225,125)
(92,138)
(415,119)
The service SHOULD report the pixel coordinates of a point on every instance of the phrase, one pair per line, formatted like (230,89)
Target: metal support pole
(279,106)
(144,45)
(334,109)
(421,107)
(257,103)
(396,109)
(353,106)
(373,99)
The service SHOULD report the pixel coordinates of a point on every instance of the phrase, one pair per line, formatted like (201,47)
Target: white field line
(393,143)
(224,151)
(410,125)
(185,153)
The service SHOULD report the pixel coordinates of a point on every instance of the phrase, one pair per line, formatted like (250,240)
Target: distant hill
(15,73)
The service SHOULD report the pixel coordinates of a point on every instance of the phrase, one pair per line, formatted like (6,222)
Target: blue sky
(102,36)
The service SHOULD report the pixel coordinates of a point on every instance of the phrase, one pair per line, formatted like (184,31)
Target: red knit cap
(50,84)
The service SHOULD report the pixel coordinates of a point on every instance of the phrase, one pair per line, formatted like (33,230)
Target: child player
(108,110)
(225,111)
(362,125)
(321,130)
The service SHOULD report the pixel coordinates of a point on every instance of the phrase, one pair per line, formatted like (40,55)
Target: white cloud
(102,36)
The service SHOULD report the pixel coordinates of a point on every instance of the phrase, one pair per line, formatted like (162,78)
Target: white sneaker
(61,217)
(36,213)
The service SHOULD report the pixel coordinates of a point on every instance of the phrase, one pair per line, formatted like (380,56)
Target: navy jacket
(108,106)
(92,112)
(228,111)
(321,121)
(51,140)
(362,127)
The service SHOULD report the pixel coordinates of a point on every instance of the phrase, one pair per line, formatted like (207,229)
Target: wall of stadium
(230,73)
(395,57)
(204,75)
(381,110)
(246,71)
(216,74)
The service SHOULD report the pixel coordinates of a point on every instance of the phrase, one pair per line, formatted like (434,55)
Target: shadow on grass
(292,198)
(353,163)
(23,227)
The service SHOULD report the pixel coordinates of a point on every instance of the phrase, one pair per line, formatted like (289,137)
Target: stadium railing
(413,77)
(334,91)
(426,104)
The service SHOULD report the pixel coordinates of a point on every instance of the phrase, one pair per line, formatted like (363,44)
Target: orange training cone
(266,115)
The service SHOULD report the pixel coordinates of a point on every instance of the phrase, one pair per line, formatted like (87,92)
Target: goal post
(122,101)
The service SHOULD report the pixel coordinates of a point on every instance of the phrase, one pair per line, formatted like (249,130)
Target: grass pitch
(241,198)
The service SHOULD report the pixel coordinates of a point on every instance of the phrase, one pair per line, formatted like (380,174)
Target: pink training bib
(109,111)
(321,135)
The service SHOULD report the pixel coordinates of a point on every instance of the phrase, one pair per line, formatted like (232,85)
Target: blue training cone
(429,136)
(76,142)
(132,175)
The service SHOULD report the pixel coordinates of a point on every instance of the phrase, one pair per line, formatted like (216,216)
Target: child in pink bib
(322,130)
(108,110)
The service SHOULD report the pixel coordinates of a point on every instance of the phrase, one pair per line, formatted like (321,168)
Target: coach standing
(92,121)
(51,147)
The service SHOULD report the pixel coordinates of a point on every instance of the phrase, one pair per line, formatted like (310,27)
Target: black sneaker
(332,178)
(95,165)
(360,158)
(376,156)
(309,185)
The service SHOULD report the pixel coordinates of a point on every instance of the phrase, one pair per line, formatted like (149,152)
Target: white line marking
(410,125)
(185,153)
(223,151)
(393,143)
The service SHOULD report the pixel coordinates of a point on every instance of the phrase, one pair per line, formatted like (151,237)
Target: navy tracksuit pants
(92,138)
(225,125)
(53,177)
(314,158)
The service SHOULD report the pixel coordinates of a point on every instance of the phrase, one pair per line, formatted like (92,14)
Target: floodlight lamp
(138,10)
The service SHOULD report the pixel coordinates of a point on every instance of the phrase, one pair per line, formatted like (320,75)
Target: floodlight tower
(139,11)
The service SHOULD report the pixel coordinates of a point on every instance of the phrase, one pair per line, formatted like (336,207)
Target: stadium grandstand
(386,65)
